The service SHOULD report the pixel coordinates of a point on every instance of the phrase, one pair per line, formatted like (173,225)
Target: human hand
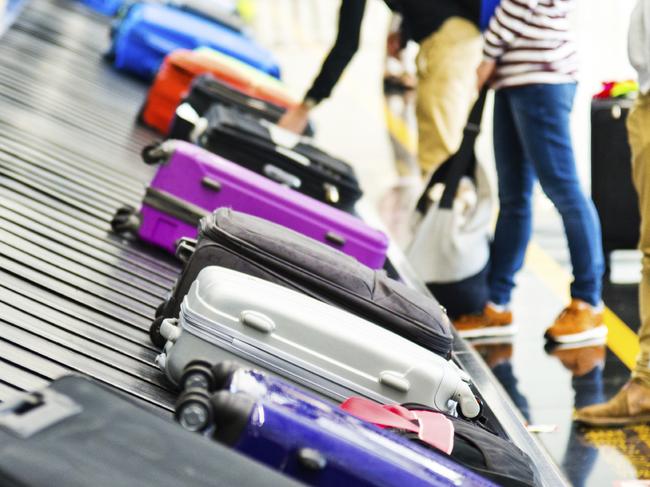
(485,72)
(394,44)
(295,119)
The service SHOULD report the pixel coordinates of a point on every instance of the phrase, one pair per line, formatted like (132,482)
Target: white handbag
(451,240)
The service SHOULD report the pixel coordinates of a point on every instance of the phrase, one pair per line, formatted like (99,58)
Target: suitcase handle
(293,155)
(335,238)
(185,248)
(29,414)
(212,184)
(282,177)
(394,381)
(257,321)
(256,104)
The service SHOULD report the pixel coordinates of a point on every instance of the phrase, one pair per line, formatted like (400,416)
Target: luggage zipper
(274,360)
(174,206)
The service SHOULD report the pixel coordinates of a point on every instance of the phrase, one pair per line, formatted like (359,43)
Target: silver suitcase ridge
(228,315)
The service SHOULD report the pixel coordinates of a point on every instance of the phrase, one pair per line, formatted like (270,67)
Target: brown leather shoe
(580,360)
(494,354)
(630,406)
(576,323)
(491,322)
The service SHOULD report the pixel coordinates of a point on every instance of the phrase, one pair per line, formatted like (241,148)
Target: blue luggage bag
(106,7)
(148,32)
(307,438)
(488,8)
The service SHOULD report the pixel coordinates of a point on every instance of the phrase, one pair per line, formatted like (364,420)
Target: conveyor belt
(73,297)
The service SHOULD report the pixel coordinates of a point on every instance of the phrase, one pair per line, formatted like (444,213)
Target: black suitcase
(254,143)
(77,433)
(495,458)
(269,251)
(611,175)
(206,91)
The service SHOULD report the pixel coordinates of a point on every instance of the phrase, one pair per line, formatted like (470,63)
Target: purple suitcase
(192,182)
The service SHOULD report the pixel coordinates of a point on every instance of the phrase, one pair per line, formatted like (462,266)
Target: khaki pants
(638,125)
(446,90)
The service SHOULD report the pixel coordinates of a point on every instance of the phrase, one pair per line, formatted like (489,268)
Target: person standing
(450,50)
(632,403)
(530,60)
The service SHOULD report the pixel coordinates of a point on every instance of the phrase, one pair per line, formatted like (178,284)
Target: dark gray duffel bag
(269,251)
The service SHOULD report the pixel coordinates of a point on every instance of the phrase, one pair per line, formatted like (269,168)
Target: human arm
(346,45)
(510,21)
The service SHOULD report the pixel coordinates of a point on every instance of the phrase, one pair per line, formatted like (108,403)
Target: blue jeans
(532,140)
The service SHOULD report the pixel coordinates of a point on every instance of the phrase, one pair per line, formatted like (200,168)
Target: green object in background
(246,9)
(623,88)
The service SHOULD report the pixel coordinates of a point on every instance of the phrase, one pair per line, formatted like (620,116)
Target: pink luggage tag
(434,429)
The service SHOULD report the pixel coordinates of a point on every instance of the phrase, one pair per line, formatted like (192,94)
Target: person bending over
(450,50)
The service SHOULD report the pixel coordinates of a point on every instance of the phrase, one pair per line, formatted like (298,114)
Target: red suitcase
(179,69)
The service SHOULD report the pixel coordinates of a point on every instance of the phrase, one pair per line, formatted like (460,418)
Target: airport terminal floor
(76,298)
(546,385)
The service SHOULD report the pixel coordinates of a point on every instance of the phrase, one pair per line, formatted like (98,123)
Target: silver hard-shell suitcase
(228,315)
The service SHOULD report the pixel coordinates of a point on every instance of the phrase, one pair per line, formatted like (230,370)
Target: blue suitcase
(307,438)
(106,7)
(148,32)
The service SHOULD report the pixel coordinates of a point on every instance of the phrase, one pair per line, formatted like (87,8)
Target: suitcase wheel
(109,56)
(231,415)
(222,372)
(197,375)
(126,220)
(157,153)
(154,332)
(139,118)
(161,308)
(193,410)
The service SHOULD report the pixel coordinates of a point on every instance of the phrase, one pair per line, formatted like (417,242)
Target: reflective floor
(547,384)
(377,135)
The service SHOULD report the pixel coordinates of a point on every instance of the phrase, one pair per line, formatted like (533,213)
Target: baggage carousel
(75,298)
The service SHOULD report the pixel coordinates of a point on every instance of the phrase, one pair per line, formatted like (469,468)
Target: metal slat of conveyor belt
(73,296)
(7,390)
(76,313)
(33,205)
(11,213)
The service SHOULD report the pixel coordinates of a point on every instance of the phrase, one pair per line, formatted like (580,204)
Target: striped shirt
(532,43)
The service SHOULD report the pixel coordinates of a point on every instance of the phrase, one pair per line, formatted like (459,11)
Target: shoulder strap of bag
(459,164)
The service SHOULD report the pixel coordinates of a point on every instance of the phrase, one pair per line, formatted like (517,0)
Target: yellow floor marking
(621,339)
(400,131)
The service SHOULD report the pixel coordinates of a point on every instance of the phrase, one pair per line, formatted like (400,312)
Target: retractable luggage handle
(459,164)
